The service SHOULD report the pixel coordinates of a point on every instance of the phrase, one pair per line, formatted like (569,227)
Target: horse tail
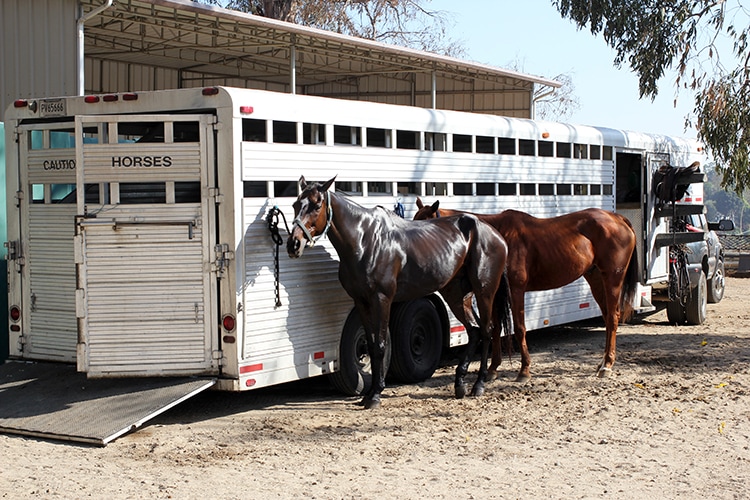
(503,315)
(629,287)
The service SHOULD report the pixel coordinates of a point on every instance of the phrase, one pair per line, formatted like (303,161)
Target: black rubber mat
(54,401)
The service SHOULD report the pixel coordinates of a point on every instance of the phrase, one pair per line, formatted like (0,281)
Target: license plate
(52,107)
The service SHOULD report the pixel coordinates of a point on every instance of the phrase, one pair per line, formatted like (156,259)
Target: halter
(329,217)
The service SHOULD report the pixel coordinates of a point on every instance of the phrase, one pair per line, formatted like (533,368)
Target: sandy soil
(673,421)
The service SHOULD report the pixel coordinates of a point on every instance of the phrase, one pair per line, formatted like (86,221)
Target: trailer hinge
(223,256)
(21,342)
(217,354)
(16,135)
(216,195)
(19,197)
(14,254)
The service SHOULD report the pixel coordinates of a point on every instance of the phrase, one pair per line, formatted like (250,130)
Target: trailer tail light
(210,91)
(110,98)
(91,99)
(130,96)
(228,322)
(15,313)
(247,110)
(20,103)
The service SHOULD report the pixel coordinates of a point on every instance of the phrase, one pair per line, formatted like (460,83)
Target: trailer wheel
(354,376)
(416,341)
(716,284)
(676,312)
(696,306)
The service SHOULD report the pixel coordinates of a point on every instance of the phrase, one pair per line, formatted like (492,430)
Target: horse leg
(487,321)
(519,329)
(608,299)
(375,321)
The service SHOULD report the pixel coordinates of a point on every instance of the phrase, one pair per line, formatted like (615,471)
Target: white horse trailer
(139,240)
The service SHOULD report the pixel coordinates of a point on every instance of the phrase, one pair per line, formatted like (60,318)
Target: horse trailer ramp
(54,401)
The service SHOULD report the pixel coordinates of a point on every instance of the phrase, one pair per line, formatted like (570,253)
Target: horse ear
(420,205)
(435,206)
(328,183)
(302,183)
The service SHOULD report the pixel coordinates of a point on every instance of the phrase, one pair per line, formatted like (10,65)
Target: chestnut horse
(549,253)
(383,258)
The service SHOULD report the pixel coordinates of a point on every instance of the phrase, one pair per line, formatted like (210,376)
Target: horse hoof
(604,372)
(491,375)
(477,391)
(460,391)
(372,404)
(522,379)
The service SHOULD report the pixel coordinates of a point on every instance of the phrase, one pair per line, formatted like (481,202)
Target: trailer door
(146,288)
(656,262)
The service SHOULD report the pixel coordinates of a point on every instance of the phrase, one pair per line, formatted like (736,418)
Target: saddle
(671,183)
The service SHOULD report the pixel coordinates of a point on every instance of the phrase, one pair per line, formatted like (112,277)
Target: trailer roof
(208,43)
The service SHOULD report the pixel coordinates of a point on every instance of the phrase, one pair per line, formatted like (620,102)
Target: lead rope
(272,219)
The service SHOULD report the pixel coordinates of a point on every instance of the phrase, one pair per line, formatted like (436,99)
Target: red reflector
(15,313)
(246,109)
(228,322)
(319,355)
(456,329)
(91,98)
(110,98)
(583,305)
(250,382)
(15,328)
(210,91)
(251,368)
(228,339)
(130,97)
(20,103)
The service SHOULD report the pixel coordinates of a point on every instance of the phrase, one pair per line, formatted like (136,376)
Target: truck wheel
(354,376)
(417,343)
(716,284)
(675,312)
(696,306)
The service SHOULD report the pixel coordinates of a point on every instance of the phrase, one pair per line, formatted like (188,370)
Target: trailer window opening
(526,147)
(607,153)
(313,133)
(580,151)
(62,193)
(485,189)
(506,189)
(564,190)
(436,188)
(435,141)
(405,188)
(546,189)
(546,148)
(62,139)
(253,130)
(462,189)
(506,146)
(407,139)
(580,189)
(461,143)
(187,192)
(349,187)
(349,136)
(378,138)
(255,189)
(528,189)
(285,188)
(564,149)
(284,132)
(485,144)
(135,193)
(378,188)
(37,193)
(607,189)
(595,152)
(140,132)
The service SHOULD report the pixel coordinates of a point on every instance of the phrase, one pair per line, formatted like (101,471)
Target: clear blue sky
(498,32)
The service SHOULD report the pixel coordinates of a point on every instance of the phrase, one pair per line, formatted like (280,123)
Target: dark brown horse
(383,258)
(549,253)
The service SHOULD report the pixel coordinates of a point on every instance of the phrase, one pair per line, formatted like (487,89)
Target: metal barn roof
(180,43)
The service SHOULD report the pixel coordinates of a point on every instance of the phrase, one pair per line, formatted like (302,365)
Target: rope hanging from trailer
(272,219)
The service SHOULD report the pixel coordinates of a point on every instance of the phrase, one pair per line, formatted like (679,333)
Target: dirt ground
(673,421)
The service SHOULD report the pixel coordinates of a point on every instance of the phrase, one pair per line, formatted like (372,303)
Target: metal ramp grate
(54,401)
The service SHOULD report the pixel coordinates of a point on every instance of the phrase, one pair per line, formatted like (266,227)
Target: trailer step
(53,401)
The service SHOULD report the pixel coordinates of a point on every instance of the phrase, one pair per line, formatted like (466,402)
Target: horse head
(427,212)
(312,216)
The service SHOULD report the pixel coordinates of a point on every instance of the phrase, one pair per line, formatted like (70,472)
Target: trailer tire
(716,284)
(354,376)
(696,307)
(416,341)
(676,313)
